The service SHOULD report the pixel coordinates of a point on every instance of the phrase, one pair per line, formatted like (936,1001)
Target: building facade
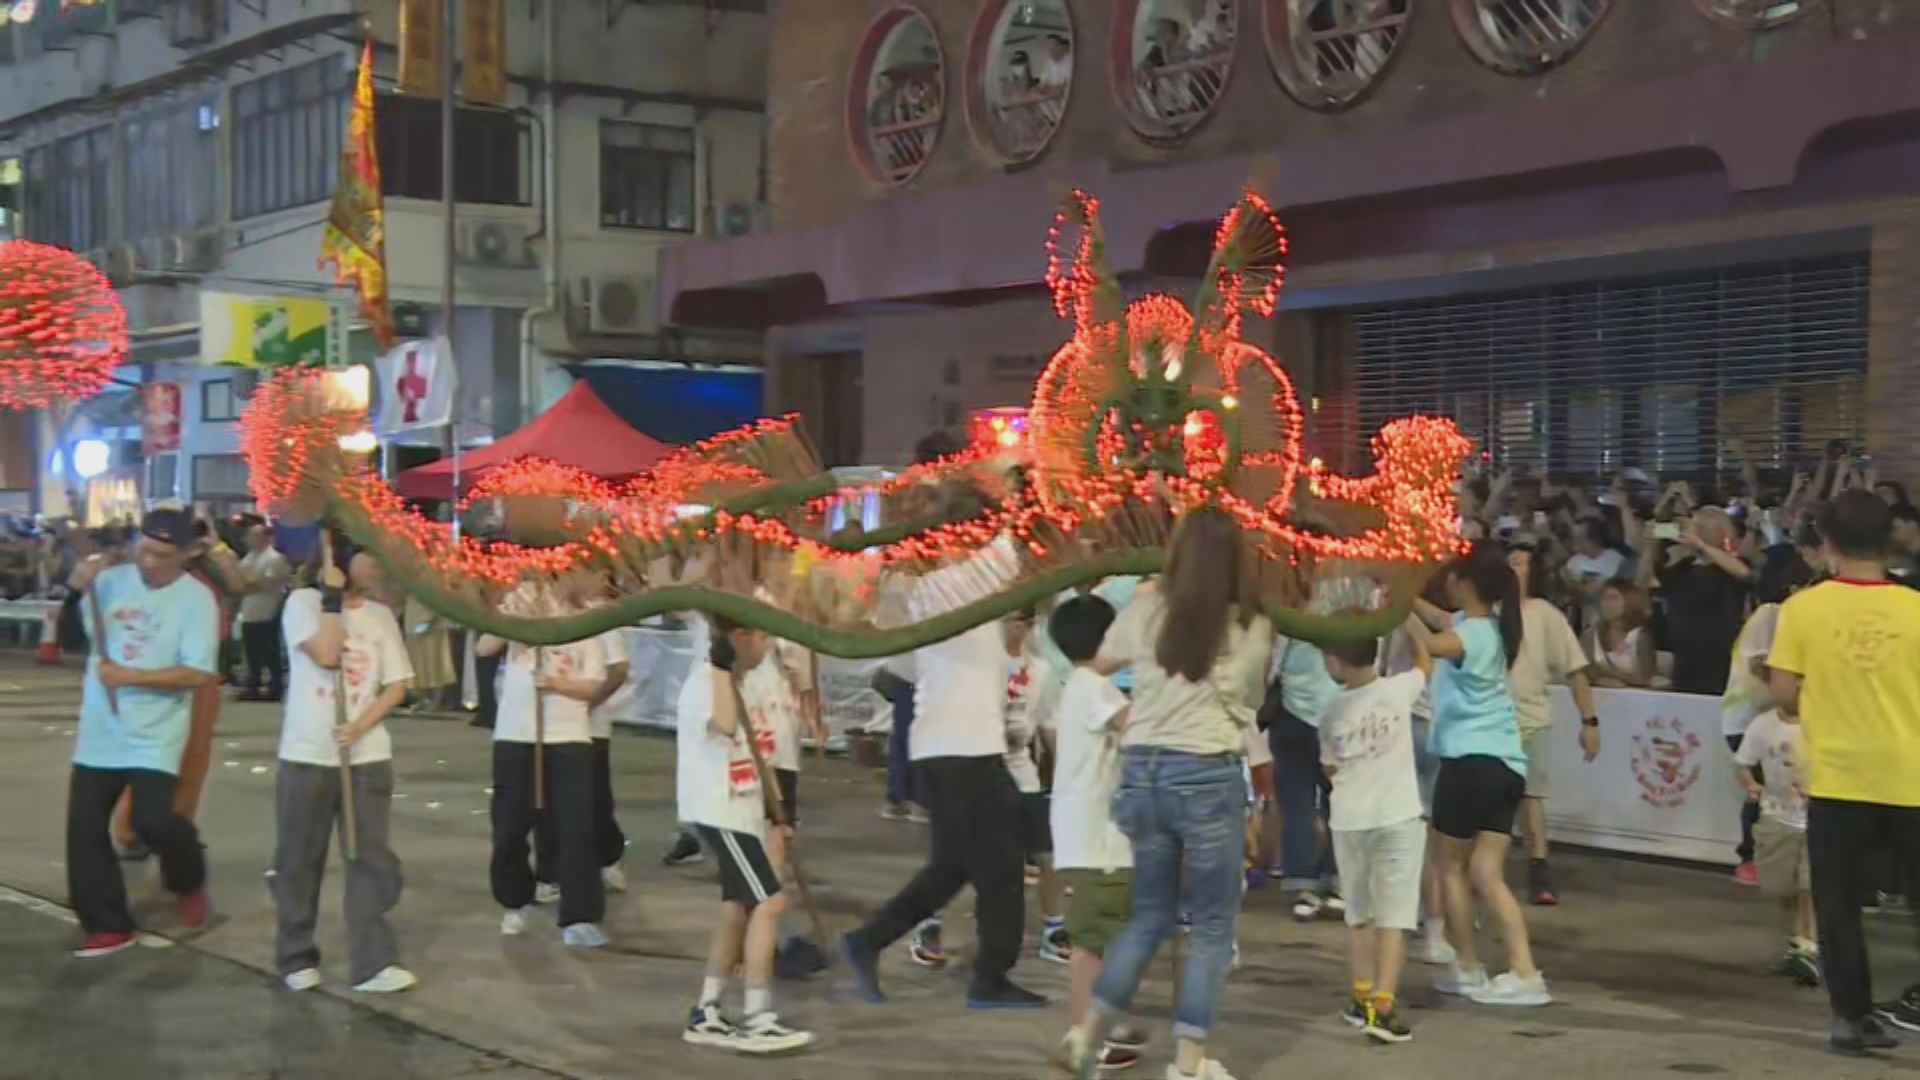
(1597,233)
(192,147)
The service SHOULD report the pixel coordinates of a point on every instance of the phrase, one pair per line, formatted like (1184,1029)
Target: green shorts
(1101,904)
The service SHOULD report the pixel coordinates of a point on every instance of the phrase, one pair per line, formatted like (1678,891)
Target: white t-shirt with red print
(1367,736)
(374,657)
(1023,681)
(566,719)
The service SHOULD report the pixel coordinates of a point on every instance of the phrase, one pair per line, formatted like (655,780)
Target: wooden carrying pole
(349,823)
(776,809)
(100,645)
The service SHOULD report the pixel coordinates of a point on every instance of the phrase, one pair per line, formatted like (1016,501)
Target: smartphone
(1666,530)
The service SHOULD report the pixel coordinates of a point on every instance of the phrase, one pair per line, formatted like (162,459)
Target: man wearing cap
(158,644)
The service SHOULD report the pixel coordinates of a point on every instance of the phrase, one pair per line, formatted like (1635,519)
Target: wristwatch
(1590,721)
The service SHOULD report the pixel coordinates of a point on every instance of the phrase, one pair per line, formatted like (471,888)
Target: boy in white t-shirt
(1769,761)
(331,632)
(562,679)
(1093,855)
(1379,837)
(721,796)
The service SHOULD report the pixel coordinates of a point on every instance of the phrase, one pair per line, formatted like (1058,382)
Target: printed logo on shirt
(1369,737)
(742,776)
(1868,641)
(133,628)
(1665,762)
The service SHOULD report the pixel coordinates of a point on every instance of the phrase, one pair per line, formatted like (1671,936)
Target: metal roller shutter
(1671,374)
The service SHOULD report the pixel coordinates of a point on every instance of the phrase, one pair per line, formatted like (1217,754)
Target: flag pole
(449,44)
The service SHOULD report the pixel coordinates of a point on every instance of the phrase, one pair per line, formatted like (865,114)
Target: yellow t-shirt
(1856,647)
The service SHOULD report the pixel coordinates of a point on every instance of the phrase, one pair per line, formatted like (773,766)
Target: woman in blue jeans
(1198,647)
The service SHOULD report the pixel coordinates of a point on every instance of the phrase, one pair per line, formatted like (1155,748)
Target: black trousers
(609,843)
(1843,839)
(486,669)
(1749,810)
(94,883)
(260,642)
(975,838)
(569,797)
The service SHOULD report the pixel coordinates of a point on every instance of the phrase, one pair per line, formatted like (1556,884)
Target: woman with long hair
(1621,643)
(1483,767)
(1198,648)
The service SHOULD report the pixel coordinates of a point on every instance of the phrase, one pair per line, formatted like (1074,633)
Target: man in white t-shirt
(958,744)
(339,640)
(721,794)
(609,842)
(1379,839)
(559,681)
(263,587)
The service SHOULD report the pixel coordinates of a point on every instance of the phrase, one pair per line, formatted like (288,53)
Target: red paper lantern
(62,329)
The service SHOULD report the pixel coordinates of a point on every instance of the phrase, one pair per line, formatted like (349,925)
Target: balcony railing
(1180,93)
(899,149)
(1025,121)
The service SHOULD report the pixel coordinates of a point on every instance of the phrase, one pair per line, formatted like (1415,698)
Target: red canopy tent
(579,430)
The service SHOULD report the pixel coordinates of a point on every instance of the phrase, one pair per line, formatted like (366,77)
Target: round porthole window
(1526,37)
(896,97)
(1170,62)
(1328,54)
(1756,14)
(1019,75)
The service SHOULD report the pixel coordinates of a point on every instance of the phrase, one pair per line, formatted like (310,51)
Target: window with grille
(172,167)
(1523,37)
(1328,54)
(646,176)
(68,184)
(1756,14)
(1680,375)
(287,132)
(216,475)
(492,152)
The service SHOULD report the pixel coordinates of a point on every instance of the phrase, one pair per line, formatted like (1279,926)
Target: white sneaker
(513,922)
(1510,989)
(763,1033)
(614,878)
(1209,1070)
(302,980)
(1437,952)
(1462,983)
(391,979)
(546,892)
(584,935)
(707,1027)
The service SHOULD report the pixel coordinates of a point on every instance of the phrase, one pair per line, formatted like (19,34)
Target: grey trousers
(306,813)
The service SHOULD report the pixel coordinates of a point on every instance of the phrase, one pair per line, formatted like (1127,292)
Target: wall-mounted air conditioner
(619,304)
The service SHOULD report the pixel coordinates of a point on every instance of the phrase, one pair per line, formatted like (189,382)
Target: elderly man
(157,643)
(263,587)
(1705,588)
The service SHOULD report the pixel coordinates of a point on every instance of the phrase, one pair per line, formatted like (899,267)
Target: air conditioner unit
(493,243)
(620,304)
(120,264)
(194,253)
(192,23)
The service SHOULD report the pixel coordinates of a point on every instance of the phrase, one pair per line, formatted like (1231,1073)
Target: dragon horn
(1245,272)
(1084,288)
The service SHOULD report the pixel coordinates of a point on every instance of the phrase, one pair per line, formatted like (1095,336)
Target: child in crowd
(1769,763)
(1024,678)
(339,634)
(560,681)
(1092,853)
(721,794)
(1379,839)
(1483,767)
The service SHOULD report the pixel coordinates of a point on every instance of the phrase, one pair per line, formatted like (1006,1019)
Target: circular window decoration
(1328,54)
(1756,14)
(1170,62)
(1526,37)
(897,96)
(1019,75)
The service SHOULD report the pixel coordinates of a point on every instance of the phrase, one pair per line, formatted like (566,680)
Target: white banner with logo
(1662,785)
(413,386)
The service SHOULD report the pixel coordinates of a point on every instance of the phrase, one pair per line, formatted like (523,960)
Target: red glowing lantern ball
(62,329)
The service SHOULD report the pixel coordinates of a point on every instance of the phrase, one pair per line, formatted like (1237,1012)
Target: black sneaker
(865,968)
(684,852)
(1355,1013)
(1803,968)
(1540,886)
(1903,1012)
(1386,1027)
(1856,1037)
(1002,993)
(798,958)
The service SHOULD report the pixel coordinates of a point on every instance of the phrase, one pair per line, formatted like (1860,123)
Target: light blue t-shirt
(1305,687)
(1117,591)
(1472,711)
(174,626)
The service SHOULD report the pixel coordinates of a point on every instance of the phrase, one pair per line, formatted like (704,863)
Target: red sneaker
(1746,874)
(104,943)
(194,910)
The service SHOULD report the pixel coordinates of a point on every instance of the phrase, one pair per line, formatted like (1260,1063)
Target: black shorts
(746,875)
(789,782)
(1036,828)
(1476,794)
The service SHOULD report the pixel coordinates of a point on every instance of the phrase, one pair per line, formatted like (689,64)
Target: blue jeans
(900,783)
(1301,788)
(1176,806)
